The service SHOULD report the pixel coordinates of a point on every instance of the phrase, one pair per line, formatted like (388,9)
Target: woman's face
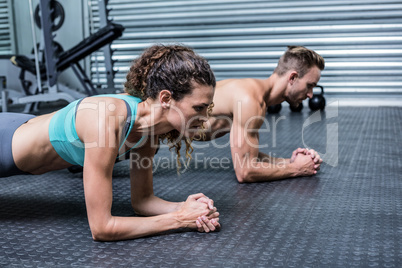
(188,114)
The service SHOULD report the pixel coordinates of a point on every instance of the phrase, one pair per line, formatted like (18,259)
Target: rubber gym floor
(348,215)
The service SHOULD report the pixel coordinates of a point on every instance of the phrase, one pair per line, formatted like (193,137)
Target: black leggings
(9,122)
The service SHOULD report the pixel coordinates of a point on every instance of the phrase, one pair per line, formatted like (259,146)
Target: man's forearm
(262,157)
(259,171)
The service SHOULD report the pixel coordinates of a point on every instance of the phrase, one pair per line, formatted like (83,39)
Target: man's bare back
(231,94)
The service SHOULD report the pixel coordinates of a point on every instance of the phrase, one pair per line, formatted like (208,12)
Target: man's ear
(165,97)
(293,76)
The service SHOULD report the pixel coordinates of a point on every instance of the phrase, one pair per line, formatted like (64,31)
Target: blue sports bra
(63,134)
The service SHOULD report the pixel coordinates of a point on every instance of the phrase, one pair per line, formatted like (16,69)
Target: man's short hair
(300,59)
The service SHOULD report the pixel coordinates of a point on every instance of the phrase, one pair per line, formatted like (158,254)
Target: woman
(168,91)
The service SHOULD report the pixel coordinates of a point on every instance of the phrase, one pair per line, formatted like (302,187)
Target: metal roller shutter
(6,28)
(361,40)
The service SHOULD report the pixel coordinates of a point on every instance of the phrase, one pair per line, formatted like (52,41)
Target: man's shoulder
(249,93)
(246,91)
(243,83)
(249,105)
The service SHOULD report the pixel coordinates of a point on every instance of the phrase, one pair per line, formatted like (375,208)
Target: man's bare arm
(246,157)
(262,157)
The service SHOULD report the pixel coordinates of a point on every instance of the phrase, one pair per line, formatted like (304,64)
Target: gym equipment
(57,61)
(3,93)
(317,102)
(297,108)
(274,109)
(71,57)
(58,16)
(107,51)
(58,50)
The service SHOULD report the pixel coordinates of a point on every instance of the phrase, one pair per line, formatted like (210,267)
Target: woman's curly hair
(175,68)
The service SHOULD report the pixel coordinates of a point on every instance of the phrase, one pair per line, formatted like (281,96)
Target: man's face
(302,88)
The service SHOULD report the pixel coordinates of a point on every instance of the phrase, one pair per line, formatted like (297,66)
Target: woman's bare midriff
(32,150)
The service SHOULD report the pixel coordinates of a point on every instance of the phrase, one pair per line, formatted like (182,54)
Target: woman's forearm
(120,228)
(123,228)
(153,205)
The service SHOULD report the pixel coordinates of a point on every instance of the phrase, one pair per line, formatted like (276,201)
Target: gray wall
(6,28)
(361,40)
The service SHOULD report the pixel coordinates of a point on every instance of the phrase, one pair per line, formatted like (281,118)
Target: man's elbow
(243,175)
(103,232)
(100,236)
(138,209)
(140,206)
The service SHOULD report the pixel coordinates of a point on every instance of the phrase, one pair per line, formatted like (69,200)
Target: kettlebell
(75,169)
(317,102)
(297,108)
(274,109)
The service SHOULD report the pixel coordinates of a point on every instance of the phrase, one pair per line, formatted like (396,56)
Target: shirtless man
(240,106)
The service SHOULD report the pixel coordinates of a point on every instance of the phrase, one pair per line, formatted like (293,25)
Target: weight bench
(66,59)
